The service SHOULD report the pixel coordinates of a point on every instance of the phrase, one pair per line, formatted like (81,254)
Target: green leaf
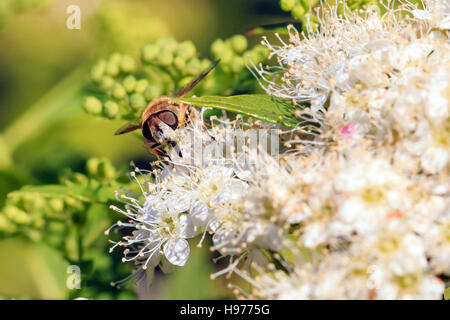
(55,190)
(30,270)
(447,293)
(259,106)
(78,192)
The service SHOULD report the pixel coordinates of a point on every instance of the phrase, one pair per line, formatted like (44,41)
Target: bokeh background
(44,131)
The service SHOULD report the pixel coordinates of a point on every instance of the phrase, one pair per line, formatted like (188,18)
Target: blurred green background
(44,67)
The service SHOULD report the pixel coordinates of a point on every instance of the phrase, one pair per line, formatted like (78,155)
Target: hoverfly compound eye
(169,118)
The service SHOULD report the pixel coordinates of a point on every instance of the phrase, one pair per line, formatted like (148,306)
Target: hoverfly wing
(130,126)
(184,91)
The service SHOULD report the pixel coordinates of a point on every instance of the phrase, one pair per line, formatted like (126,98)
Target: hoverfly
(162,116)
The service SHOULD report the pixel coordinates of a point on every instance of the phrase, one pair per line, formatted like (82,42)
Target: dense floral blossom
(358,209)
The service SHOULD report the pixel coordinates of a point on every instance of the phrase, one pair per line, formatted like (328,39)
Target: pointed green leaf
(259,106)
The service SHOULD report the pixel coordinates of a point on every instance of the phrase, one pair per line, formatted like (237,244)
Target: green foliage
(123,86)
(259,106)
(68,220)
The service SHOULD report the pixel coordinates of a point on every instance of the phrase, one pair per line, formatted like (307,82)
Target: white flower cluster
(361,210)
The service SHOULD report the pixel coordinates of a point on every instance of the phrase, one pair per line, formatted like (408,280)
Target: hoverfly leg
(153,148)
(176,148)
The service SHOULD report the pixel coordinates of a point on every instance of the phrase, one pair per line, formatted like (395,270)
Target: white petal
(200,214)
(165,265)
(177,251)
(187,228)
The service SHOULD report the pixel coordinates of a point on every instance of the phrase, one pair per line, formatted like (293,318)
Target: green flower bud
(33,202)
(137,101)
(193,66)
(167,44)
(287,5)
(106,83)
(92,166)
(106,170)
(217,46)
(115,57)
(112,68)
(165,58)
(186,50)
(98,70)
(74,204)
(238,43)
(6,225)
(179,63)
(149,53)
(80,179)
(184,81)
(127,64)
(129,83)
(111,109)
(92,105)
(56,205)
(152,92)
(140,86)
(298,11)
(205,64)
(225,55)
(237,64)
(118,91)
(16,215)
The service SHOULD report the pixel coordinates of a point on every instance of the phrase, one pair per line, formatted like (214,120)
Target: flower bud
(152,92)
(237,64)
(129,83)
(184,81)
(16,215)
(167,44)
(92,166)
(186,50)
(106,170)
(193,66)
(140,86)
(149,53)
(287,5)
(179,63)
(111,109)
(74,204)
(217,46)
(118,91)
(80,179)
(112,68)
(92,105)
(298,11)
(115,58)
(56,205)
(137,101)
(106,83)
(165,58)
(238,43)
(127,64)
(98,70)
